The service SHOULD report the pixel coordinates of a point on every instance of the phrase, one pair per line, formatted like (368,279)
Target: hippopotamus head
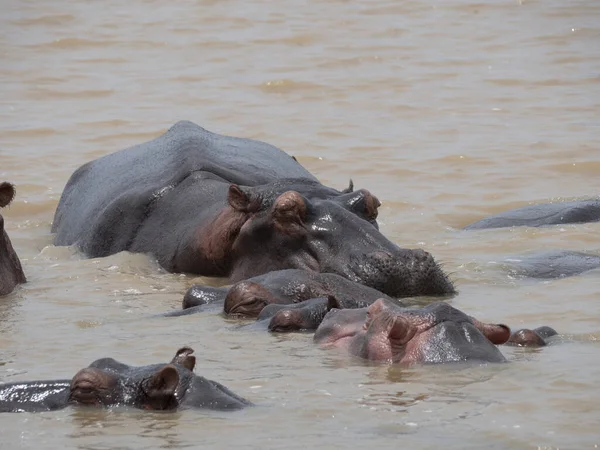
(11,272)
(437,333)
(320,235)
(107,382)
(531,338)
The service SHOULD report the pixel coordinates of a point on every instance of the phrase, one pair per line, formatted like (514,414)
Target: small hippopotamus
(247,298)
(303,316)
(221,206)
(11,272)
(437,333)
(107,382)
(552,264)
(531,338)
(577,211)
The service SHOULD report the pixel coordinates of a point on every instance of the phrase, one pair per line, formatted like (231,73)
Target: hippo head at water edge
(110,383)
(11,272)
(437,333)
(319,235)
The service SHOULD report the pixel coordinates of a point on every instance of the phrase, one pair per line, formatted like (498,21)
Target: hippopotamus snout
(403,273)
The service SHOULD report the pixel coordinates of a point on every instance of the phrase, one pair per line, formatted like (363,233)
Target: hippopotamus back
(144,172)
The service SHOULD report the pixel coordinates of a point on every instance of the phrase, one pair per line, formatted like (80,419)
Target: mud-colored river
(448,111)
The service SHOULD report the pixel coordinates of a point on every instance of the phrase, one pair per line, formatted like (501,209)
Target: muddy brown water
(447,110)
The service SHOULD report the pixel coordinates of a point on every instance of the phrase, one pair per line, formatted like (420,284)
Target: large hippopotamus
(437,333)
(214,205)
(577,211)
(11,272)
(247,298)
(107,383)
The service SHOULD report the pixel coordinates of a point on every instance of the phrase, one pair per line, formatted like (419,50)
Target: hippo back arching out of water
(577,211)
(107,383)
(213,205)
(552,264)
(11,272)
(437,333)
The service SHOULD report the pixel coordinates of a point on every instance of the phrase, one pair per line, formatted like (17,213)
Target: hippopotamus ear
(333,303)
(160,388)
(184,358)
(7,193)
(242,199)
(289,211)
(350,187)
(362,203)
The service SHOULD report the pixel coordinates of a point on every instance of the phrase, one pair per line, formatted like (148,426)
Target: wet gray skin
(552,264)
(107,383)
(11,272)
(578,211)
(537,337)
(303,316)
(214,205)
(247,298)
(436,333)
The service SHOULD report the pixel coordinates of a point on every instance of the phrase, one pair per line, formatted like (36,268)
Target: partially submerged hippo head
(306,315)
(437,333)
(107,382)
(320,235)
(11,272)
(531,338)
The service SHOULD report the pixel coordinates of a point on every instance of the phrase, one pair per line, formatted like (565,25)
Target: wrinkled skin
(11,272)
(247,298)
(552,264)
(437,333)
(303,316)
(108,383)
(531,338)
(578,211)
(220,206)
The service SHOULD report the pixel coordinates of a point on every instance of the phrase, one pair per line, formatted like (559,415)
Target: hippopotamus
(107,382)
(221,206)
(303,316)
(531,338)
(247,298)
(577,211)
(11,272)
(437,333)
(552,264)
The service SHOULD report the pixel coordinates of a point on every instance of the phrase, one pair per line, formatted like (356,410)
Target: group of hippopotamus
(300,255)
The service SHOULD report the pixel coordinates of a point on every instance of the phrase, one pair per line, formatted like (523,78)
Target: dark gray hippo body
(577,211)
(437,333)
(11,272)
(107,382)
(248,298)
(221,206)
(552,264)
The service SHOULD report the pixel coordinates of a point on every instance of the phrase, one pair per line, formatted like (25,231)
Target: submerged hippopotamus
(214,205)
(578,211)
(247,298)
(107,383)
(303,316)
(437,333)
(552,264)
(531,338)
(11,272)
